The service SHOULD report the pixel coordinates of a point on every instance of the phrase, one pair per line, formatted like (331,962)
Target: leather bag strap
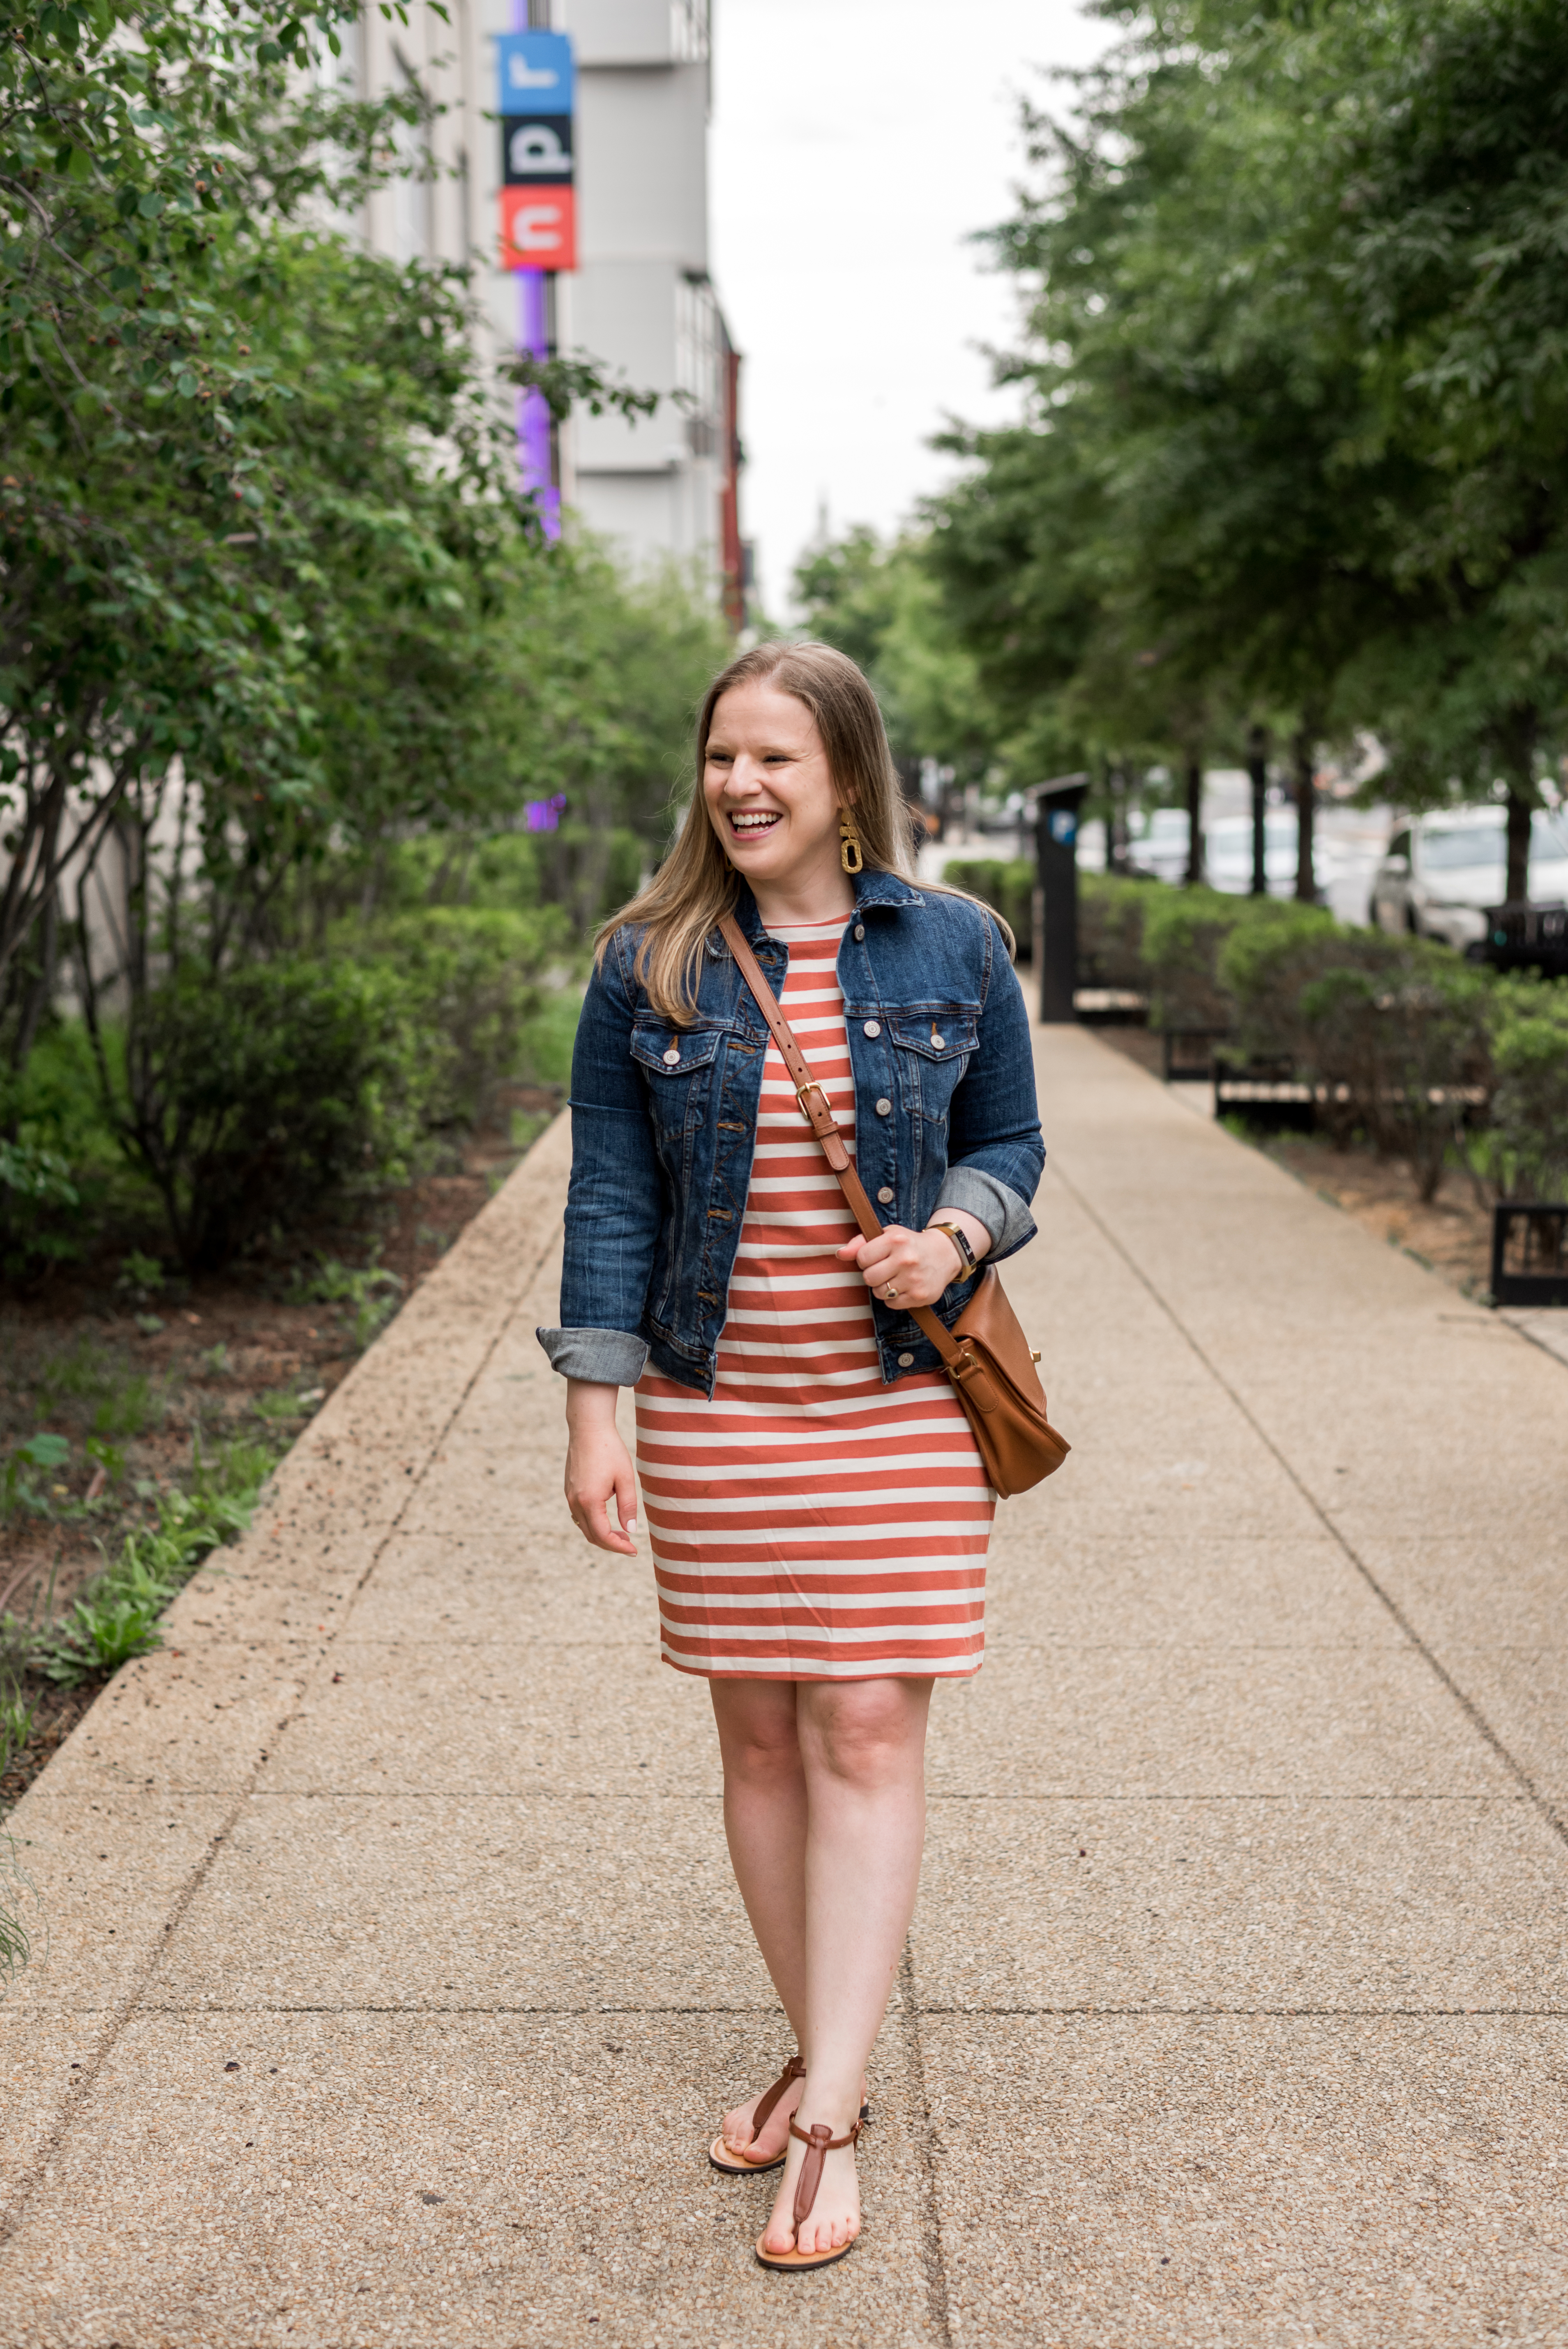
(819,1116)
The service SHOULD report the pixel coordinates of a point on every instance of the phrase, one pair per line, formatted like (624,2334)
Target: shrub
(251,1100)
(60,1169)
(1403,1032)
(487,870)
(1184,931)
(1111,912)
(587,872)
(1265,961)
(1524,1152)
(1005,883)
(473,981)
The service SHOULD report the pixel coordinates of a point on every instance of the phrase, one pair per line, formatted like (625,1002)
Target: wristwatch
(968,1261)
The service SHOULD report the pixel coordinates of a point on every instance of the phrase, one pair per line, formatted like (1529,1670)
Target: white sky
(855,143)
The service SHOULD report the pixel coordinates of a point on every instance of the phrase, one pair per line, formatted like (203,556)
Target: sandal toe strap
(819,2142)
(793,2071)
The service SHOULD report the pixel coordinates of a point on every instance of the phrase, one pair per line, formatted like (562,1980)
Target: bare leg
(862,1747)
(766,1824)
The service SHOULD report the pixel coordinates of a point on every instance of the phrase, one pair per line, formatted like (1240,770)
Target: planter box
(1188,1054)
(1526,937)
(1529,1254)
(1110,1006)
(1264,1092)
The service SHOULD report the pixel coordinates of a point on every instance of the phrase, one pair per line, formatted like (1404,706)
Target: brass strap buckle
(805,1110)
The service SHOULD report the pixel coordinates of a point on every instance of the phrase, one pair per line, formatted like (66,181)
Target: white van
(1440,873)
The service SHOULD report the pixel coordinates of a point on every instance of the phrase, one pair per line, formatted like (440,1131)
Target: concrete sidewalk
(396,1977)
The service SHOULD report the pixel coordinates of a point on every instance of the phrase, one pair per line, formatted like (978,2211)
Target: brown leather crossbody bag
(985,1353)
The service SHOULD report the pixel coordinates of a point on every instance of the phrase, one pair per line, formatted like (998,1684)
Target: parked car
(1227,852)
(1440,873)
(1161,849)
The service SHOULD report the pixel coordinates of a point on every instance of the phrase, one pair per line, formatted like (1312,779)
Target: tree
(1300,488)
(1451,172)
(880,603)
(141,147)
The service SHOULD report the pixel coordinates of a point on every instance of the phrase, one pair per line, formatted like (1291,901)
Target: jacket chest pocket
(933,1050)
(677,1065)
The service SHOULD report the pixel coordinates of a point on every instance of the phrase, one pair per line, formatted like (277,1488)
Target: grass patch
(367,1297)
(116,1617)
(16,1885)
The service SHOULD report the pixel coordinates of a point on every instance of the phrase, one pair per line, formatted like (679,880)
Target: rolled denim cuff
(1005,1216)
(609,1357)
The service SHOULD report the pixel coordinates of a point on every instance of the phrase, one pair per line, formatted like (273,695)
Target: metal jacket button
(886,1195)
(873,1027)
(906,1362)
(672,1058)
(884,1109)
(859,929)
(939,1041)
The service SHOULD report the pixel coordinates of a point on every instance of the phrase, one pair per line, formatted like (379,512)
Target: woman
(817,1509)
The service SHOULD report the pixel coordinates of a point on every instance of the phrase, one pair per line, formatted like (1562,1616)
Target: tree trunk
(1258,769)
(1116,788)
(1306,807)
(1517,749)
(1194,822)
(1519,812)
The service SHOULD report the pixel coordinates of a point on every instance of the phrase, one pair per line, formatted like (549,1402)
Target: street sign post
(538,229)
(535,84)
(534,73)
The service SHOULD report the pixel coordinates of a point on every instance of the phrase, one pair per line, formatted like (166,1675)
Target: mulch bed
(224,1356)
(1450,1234)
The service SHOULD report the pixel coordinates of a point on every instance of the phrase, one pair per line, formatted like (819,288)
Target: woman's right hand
(597,1465)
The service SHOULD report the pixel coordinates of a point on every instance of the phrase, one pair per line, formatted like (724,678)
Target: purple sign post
(535,436)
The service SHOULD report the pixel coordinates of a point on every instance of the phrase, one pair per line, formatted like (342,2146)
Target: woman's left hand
(916,1266)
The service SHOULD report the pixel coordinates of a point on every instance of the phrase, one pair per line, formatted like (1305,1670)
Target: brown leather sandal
(737,2165)
(819,2142)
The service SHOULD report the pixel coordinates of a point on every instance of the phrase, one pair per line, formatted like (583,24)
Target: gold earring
(849,854)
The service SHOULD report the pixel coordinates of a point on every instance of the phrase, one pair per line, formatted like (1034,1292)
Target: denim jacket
(664,1122)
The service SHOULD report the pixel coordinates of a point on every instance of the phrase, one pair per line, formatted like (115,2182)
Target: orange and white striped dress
(810,1523)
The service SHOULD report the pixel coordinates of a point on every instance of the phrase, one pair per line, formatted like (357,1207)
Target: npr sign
(535,85)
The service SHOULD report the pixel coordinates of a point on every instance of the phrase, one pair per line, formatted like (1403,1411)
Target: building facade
(640,302)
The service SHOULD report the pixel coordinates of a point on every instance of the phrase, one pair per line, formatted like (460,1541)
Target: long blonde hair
(696,883)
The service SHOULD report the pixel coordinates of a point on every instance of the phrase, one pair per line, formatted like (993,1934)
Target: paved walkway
(396,1977)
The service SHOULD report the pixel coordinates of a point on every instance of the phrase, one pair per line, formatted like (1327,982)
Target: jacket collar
(871,888)
(885,889)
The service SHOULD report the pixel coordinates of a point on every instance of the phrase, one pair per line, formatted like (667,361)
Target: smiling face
(771,797)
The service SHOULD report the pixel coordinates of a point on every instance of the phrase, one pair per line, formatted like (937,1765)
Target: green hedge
(474,980)
(1005,883)
(238,1106)
(1429,1056)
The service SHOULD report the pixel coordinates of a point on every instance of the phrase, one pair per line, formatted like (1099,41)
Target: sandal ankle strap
(819,2142)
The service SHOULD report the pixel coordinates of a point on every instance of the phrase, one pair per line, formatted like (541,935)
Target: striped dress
(810,1523)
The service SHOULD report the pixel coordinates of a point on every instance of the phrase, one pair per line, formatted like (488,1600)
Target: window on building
(689,31)
(698,364)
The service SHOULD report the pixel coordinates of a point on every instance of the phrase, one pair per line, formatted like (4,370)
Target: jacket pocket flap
(667,1051)
(939,1035)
